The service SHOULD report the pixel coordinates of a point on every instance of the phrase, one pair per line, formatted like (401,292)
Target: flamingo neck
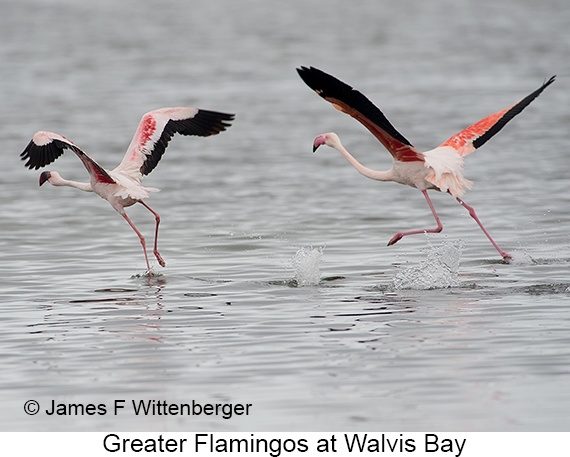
(57,180)
(365,171)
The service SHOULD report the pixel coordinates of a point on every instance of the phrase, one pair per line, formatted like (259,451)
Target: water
(347,335)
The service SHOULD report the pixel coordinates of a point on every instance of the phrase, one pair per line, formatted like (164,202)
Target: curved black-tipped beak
(44,177)
(319,141)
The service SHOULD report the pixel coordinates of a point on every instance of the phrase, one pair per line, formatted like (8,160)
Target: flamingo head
(330,139)
(45,176)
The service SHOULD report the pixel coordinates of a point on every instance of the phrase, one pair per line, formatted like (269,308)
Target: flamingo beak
(45,176)
(319,141)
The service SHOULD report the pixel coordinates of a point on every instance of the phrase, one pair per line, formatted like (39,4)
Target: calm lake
(279,290)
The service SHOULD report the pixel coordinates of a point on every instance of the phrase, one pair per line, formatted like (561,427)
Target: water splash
(521,258)
(306,264)
(437,272)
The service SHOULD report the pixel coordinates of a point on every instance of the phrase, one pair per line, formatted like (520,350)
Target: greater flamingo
(122,186)
(440,169)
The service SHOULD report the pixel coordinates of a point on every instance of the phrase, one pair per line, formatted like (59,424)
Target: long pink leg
(143,242)
(398,236)
(157,219)
(474,216)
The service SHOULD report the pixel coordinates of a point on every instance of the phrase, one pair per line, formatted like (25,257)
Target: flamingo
(440,169)
(122,186)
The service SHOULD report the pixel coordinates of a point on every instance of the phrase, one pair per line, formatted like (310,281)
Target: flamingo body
(122,186)
(439,169)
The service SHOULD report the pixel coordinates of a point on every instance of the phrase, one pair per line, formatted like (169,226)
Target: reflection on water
(436,332)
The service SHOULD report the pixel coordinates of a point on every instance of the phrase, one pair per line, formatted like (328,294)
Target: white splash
(437,272)
(521,258)
(306,263)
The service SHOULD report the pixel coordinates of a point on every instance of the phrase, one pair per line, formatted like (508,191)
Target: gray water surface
(433,333)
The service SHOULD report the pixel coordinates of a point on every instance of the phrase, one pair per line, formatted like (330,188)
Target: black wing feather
(40,156)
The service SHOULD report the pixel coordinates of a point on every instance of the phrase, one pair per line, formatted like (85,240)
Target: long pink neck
(365,171)
(57,180)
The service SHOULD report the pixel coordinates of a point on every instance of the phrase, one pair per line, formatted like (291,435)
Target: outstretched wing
(476,135)
(350,101)
(157,128)
(46,147)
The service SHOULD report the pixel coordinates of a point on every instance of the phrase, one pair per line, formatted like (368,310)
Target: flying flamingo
(440,169)
(122,186)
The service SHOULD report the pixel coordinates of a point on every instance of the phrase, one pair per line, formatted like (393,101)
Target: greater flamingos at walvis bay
(440,169)
(122,186)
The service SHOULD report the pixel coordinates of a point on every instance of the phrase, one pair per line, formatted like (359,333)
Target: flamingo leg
(141,238)
(398,236)
(474,216)
(157,219)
